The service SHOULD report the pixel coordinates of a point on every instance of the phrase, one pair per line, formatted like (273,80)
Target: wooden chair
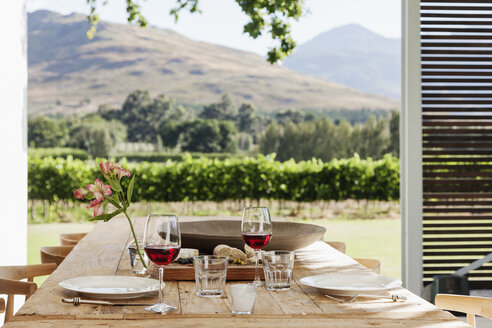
(338,245)
(70,239)
(371,264)
(54,254)
(471,305)
(2,305)
(11,285)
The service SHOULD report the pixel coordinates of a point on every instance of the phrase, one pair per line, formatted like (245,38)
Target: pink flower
(80,193)
(99,190)
(122,172)
(97,206)
(107,167)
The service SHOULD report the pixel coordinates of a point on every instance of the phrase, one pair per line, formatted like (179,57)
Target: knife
(77,301)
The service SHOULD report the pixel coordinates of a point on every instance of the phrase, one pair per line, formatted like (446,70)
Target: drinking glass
(162,242)
(278,266)
(210,275)
(256,228)
(243,298)
(135,262)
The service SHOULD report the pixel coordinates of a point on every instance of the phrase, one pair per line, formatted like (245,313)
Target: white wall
(13,136)
(411,148)
(13,133)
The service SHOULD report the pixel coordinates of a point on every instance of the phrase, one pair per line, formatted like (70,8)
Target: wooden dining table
(103,252)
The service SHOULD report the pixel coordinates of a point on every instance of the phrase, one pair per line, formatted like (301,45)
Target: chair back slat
(471,305)
(70,239)
(371,264)
(15,287)
(19,272)
(338,245)
(11,285)
(54,254)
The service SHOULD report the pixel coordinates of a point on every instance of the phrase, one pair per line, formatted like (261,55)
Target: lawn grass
(39,235)
(377,239)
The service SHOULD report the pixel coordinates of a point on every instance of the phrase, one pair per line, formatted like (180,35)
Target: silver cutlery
(393,297)
(76,301)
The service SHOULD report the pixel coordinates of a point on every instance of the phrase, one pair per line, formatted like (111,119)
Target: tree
(144,116)
(270,140)
(325,140)
(223,110)
(272,17)
(371,140)
(246,117)
(46,132)
(170,132)
(244,141)
(394,130)
(290,115)
(227,142)
(98,136)
(207,136)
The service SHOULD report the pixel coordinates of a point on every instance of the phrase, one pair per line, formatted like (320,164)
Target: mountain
(70,73)
(354,56)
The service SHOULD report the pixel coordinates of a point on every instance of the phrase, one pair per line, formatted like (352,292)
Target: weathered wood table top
(103,252)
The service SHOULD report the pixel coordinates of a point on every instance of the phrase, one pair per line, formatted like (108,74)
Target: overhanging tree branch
(266,16)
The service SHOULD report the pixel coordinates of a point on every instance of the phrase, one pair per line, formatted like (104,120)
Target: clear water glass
(135,262)
(243,298)
(210,275)
(277,266)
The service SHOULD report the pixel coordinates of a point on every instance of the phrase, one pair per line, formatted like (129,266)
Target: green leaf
(129,192)
(106,217)
(115,185)
(114,200)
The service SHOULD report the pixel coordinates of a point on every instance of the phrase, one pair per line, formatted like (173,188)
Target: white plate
(346,283)
(111,287)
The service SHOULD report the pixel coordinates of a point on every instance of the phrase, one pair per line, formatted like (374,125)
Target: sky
(221,21)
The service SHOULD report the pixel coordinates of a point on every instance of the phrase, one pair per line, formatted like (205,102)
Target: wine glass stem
(257,272)
(161,278)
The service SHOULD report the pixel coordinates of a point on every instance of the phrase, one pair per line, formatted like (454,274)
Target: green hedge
(217,180)
(164,157)
(76,153)
(63,152)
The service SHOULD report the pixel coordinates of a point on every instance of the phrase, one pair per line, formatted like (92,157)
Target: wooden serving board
(176,271)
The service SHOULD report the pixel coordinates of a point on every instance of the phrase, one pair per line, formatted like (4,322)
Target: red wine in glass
(256,240)
(162,243)
(256,229)
(162,254)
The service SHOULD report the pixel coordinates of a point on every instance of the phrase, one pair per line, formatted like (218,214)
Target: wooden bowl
(205,235)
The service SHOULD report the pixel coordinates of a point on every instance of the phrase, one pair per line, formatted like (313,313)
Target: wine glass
(162,242)
(256,228)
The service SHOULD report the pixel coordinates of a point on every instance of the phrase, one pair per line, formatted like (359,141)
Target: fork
(393,297)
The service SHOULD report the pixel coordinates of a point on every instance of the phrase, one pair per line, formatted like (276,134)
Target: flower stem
(135,238)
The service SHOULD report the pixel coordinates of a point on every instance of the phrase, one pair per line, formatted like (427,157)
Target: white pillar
(411,148)
(13,133)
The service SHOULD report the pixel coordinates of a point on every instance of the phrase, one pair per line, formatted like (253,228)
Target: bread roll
(236,254)
(221,250)
(231,252)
